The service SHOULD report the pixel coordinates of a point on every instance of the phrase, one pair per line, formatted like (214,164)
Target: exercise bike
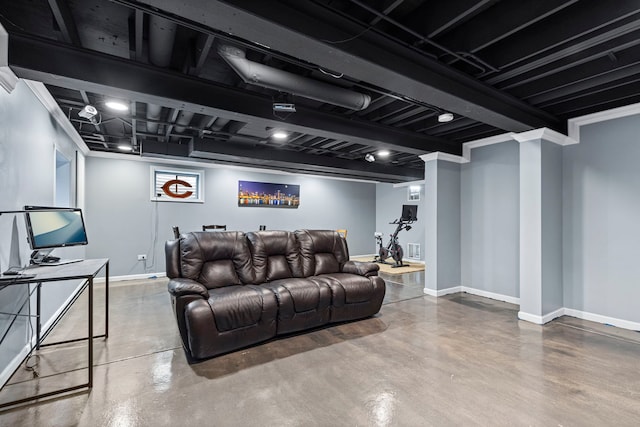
(393,248)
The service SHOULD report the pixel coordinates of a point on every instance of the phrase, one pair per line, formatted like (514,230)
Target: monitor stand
(41,256)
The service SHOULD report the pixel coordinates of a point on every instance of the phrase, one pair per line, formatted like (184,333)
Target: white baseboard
(533,318)
(131,277)
(442,292)
(13,365)
(492,295)
(473,291)
(541,320)
(598,318)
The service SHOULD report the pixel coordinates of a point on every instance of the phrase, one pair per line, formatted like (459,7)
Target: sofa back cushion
(216,259)
(172,258)
(275,255)
(321,251)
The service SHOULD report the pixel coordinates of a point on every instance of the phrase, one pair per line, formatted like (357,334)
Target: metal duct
(162,34)
(273,78)
(153,113)
(184,118)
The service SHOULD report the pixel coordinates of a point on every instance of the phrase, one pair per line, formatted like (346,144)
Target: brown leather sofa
(230,289)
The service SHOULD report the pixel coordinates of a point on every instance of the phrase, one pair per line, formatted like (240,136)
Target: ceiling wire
(335,76)
(420,37)
(348,39)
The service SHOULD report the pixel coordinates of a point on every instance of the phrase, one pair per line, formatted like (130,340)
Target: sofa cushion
(303,303)
(275,255)
(236,306)
(322,251)
(353,297)
(349,287)
(326,263)
(216,259)
(245,325)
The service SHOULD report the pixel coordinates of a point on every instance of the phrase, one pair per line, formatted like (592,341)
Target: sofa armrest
(366,269)
(181,286)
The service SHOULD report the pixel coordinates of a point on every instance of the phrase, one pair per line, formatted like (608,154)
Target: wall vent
(413,250)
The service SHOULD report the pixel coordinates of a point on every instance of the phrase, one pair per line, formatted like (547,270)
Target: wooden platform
(389,269)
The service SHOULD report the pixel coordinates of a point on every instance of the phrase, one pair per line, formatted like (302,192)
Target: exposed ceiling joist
(60,65)
(370,58)
(285,160)
(289,160)
(586,25)
(64,20)
(520,16)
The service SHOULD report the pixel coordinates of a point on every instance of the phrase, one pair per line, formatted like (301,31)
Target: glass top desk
(86,271)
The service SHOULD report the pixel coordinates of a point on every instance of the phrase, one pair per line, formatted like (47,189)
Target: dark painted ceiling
(498,66)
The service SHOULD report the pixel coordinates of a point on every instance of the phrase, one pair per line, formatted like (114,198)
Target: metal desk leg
(90,342)
(106,302)
(38,324)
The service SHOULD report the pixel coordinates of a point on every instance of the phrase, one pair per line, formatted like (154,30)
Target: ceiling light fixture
(369,157)
(88,112)
(445,117)
(383,153)
(117,105)
(279,134)
(125,147)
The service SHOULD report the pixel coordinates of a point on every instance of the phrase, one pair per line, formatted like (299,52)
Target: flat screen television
(409,213)
(49,228)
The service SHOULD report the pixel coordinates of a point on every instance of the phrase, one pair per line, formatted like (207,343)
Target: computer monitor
(409,213)
(49,228)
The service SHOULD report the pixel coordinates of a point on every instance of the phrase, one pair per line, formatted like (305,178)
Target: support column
(8,79)
(441,213)
(541,298)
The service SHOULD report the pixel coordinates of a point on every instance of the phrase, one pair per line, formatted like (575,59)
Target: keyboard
(13,271)
(13,277)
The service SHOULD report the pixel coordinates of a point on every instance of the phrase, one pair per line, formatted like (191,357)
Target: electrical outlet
(142,257)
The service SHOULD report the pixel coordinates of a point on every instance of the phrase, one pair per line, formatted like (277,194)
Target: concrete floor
(423,361)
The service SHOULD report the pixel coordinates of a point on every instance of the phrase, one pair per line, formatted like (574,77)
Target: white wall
(123,222)
(490,219)
(29,137)
(601,220)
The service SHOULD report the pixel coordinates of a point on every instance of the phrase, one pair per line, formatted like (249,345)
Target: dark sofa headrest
(216,258)
(275,255)
(322,251)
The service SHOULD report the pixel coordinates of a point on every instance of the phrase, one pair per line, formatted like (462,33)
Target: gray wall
(28,140)
(441,209)
(430,218)
(490,219)
(122,222)
(389,201)
(552,298)
(449,244)
(601,220)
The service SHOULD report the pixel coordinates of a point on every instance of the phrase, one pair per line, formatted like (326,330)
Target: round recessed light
(280,135)
(383,153)
(117,105)
(445,117)
(125,147)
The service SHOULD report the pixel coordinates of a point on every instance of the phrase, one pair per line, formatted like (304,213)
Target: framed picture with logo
(177,185)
